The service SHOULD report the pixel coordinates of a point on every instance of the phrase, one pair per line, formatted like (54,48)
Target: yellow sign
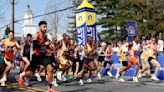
(85,22)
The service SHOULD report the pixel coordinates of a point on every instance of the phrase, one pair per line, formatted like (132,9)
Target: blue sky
(38,7)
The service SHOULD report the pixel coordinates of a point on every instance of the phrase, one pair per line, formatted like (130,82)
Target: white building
(28,25)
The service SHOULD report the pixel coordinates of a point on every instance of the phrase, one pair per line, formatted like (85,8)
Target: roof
(85,4)
(28,10)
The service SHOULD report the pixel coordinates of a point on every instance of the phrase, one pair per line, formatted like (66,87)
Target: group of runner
(58,57)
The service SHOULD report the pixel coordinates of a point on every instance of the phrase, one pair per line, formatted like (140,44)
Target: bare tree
(53,21)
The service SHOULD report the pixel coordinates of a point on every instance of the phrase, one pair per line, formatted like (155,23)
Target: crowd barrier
(131,71)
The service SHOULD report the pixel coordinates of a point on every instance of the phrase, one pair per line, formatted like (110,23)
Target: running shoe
(139,75)
(59,75)
(154,78)
(81,82)
(63,78)
(26,82)
(89,80)
(21,82)
(135,79)
(99,75)
(38,77)
(121,79)
(118,75)
(2,83)
(55,83)
(109,74)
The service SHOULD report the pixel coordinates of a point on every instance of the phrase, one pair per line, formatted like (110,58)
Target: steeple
(28,10)
(28,25)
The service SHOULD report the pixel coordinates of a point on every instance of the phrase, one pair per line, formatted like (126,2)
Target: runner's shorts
(149,59)
(133,60)
(48,60)
(35,62)
(87,60)
(108,62)
(124,63)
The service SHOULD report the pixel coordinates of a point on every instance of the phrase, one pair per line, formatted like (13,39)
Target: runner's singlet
(26,51)
(145,54)
(88,49)
(123,54)
(63,48)
(40,46)
(9,52)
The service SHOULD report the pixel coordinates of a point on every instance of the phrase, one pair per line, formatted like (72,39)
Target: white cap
(103,44)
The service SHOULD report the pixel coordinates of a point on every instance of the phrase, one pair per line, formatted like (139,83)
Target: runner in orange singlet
(133,61)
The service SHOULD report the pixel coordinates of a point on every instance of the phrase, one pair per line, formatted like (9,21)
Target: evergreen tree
(7,30)
(113,14)
(148,15)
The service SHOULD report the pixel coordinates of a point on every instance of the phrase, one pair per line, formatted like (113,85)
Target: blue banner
(131,29)
(81,34)
(91,31)
(83,31)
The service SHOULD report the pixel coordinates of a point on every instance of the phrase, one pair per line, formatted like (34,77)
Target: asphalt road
(105,84)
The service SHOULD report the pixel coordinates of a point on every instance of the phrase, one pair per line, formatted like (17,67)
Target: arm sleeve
(35,45)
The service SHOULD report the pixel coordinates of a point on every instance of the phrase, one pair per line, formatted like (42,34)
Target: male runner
(26,53)
(88,63)
(132,61)
(39,57)
(10,45)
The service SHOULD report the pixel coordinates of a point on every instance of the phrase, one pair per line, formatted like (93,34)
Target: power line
(39,16)
(38,11)
(8,7)
(45,14)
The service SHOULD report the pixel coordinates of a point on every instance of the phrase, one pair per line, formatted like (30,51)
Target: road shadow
(6,89)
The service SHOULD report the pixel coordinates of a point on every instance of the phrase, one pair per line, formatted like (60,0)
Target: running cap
(103,44)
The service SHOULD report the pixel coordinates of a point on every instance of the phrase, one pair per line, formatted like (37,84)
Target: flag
(131,29)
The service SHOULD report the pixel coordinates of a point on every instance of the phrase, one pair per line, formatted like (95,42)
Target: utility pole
(147,26)
(12,15)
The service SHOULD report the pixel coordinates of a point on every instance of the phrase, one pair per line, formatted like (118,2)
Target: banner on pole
(131,29)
